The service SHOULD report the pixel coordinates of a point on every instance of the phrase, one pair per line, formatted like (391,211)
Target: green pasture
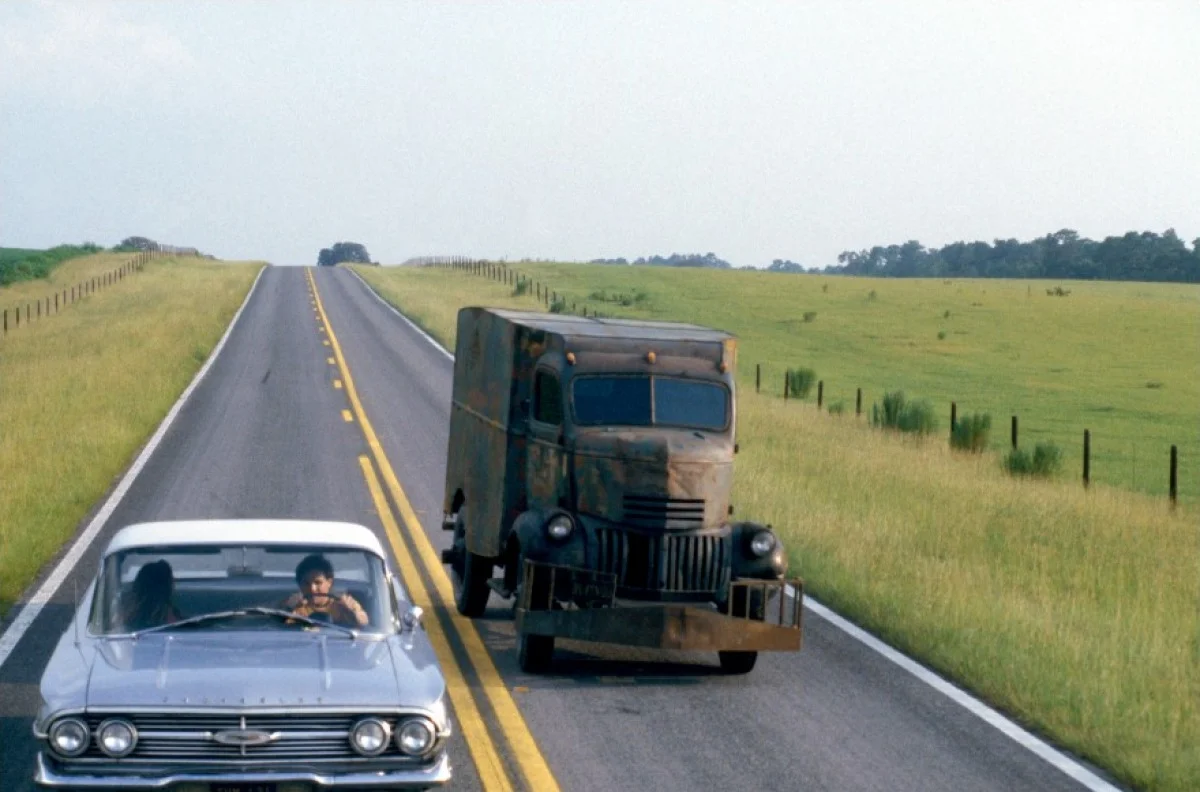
(1121,360)
(1072,610)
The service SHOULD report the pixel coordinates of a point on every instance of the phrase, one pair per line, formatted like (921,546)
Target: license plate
(243,787)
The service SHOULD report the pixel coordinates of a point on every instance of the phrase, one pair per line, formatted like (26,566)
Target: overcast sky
(579,130)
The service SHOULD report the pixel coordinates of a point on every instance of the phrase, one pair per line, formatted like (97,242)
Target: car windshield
(156,587)
(649,401)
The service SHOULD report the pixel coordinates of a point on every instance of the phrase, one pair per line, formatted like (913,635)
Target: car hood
(246,670)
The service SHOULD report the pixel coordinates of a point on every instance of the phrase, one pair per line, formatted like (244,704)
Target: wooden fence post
(858,401)
(820,393)
(953,416)
(1174,482)
(1087,454)
(757,376)
(6,320)
(1014,431)
(786,385)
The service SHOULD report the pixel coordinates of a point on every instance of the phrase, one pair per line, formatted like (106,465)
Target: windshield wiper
(256,611)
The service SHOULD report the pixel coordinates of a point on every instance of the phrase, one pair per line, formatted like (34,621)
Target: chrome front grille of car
(192,737)
(664,563)
(653,511)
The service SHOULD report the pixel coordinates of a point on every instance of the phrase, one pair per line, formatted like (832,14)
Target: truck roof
(579,326)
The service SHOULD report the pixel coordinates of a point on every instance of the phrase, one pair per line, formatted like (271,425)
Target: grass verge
(80,392)
(1074,611)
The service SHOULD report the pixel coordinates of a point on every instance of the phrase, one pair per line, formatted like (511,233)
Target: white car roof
(327,533)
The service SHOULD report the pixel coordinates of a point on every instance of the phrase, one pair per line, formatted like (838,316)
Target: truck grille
(664,563)
(652,511)
(188,737)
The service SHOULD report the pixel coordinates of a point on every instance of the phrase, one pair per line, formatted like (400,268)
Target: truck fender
(529,532)
(772,566)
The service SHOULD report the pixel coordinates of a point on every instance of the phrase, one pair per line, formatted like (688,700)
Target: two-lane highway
(325,403)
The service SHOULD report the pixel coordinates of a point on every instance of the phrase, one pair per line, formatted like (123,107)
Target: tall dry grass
(1076,611)
(80,393)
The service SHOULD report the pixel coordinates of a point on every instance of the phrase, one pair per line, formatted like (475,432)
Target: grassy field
(70,273)
(20,264)
(1118,359)
(1075,611)
(81,391)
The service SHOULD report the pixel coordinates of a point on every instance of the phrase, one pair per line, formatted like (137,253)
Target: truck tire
(534,652)
(737,662)
(473,572)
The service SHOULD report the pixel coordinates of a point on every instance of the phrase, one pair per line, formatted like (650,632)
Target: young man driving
(314,575)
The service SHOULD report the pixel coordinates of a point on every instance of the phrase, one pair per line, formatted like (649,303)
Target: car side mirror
(412,618)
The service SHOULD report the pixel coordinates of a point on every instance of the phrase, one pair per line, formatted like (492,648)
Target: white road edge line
(50,586)
(990,716)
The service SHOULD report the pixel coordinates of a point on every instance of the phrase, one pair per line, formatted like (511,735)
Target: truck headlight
(559,527)
(370,736)
(117,737)
(762,543)
(415,737)
(69,737)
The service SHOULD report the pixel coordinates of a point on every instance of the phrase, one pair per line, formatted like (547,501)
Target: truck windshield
(649,401)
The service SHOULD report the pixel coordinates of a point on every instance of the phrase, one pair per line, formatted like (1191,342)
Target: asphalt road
(264,435)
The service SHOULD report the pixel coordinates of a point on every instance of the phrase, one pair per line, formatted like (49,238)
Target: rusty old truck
(590,461)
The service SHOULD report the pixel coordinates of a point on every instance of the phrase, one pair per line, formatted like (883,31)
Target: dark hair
(151,601)
(314,562)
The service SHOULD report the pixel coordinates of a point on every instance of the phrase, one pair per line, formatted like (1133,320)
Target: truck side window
(547,398)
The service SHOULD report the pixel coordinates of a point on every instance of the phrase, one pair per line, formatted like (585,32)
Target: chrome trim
(436,774)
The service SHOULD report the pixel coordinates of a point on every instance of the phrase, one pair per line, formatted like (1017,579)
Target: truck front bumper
(605,619)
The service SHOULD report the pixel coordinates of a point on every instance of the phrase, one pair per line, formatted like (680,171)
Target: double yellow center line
(528,757)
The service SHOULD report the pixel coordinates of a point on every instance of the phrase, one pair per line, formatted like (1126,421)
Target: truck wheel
(737,662)
(534,652)
(473,572)
(473,590)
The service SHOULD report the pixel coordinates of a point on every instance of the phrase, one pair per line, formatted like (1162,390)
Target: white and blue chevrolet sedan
(231,655)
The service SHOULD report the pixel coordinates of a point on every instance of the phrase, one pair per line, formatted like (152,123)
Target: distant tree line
(710,260)
(784,265)
(23,265)
(1144,256)
(342,252)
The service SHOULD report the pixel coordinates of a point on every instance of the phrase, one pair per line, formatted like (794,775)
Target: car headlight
(117,737)
(559,527)
(69,737)
(370,736)
(762,543)
(415,737)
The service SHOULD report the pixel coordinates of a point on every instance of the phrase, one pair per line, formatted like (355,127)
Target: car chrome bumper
(433,775)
